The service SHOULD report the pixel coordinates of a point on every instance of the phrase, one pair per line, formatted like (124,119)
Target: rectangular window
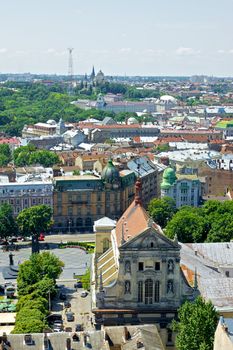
(140,266)
(70,211)
(157,266)
(140,292)
(148,291)
(156,291)
(59,210)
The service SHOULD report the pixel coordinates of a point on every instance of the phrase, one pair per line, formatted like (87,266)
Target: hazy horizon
(132,38)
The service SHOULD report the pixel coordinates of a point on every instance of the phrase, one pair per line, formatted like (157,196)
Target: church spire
(92,76)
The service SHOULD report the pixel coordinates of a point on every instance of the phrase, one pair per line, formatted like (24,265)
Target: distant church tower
(92,76)
(60,128)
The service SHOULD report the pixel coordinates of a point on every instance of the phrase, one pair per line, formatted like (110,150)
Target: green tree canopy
(187,224)
(162,210)
(8,226)
(196,325)
(38,274)
(29,155)
(5,154)
(32,221)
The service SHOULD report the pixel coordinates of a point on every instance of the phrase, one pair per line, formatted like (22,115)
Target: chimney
(68,344)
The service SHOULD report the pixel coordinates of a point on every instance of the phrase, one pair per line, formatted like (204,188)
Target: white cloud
(3,50)
(221,51)
(50,50)
(125,50)
(186,51)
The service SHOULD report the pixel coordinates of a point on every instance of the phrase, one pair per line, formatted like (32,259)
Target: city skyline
(132,38)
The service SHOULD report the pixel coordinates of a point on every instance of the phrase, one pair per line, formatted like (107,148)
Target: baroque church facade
(138,279)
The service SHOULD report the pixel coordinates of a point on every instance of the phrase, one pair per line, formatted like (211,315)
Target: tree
(31,325)
(5,154)
(196,325)
(187,225)
(33,301)
(86,279)
(44,267)
(32,221)
(8,226)
(162,210)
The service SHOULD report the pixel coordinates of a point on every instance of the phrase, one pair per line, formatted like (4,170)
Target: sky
(120,37)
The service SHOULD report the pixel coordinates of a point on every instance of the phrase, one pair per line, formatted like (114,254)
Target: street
(81,307)
(85,237)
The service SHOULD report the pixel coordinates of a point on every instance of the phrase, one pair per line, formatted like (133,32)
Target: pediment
(150,239)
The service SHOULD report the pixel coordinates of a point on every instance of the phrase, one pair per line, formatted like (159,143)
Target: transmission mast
(70,71)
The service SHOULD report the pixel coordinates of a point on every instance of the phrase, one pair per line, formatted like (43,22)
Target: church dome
(168,99)
(51,122)
(132,121)
(110,173)
(169,177)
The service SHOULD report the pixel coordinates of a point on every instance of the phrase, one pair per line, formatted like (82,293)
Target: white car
(84,293)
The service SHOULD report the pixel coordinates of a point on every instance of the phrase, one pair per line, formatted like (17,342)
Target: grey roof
(58,341)
(108,121)
(146,334)
(145,166)
(218,290)
(208,259)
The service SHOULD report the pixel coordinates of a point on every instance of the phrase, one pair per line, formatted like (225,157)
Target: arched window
(148,291)
(79,222)
(152,244)
(156,291)
(105,244)
(140,291)
(88,222)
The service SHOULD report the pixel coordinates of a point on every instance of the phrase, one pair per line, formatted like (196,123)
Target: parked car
(79,327)
(70,316)
(62,296)
(78,284)
(41,237)
(58,323)
(68,329)
(57,329)
(13,240)
(67,304)
(84,293)
(54,317)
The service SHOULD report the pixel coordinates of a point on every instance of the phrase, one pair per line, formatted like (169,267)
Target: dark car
(67,304)
(79,328)
(62,296)
(70,316)
(78,284)
(68,329)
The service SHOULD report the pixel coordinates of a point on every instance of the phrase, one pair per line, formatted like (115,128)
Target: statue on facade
(170,266)
(127,287)
(127,267)
(170,287)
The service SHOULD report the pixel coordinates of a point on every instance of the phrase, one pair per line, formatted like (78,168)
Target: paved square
(76,260)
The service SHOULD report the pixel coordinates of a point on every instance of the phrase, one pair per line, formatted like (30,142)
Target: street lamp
(69,223)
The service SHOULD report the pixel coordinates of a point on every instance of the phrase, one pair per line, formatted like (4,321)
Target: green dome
(110,173)
(169,177)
